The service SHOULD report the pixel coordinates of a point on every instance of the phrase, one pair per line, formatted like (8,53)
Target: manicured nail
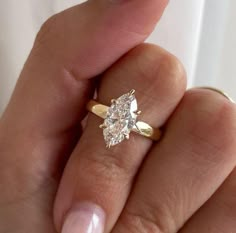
(85,218)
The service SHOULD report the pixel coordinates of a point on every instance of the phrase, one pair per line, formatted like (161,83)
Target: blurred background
(201,33)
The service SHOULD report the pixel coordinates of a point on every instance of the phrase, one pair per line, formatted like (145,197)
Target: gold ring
(219,92)
(121,118)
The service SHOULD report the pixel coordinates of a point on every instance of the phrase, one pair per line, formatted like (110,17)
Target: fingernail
(84,218)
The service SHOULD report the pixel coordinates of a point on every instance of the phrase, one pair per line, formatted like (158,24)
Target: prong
(127,136)
(102,126)
(138,128)
(138,113)
(113,101)
(132,92)
(108,145)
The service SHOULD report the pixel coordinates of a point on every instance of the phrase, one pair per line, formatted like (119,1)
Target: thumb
(48,102)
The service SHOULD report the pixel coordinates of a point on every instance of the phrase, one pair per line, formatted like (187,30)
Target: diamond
(120,119)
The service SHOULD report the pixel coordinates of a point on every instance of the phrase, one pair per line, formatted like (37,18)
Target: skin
(48,163)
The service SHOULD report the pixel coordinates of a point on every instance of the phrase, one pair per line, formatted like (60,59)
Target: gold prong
(113,101)
(132,92)
(108,145)
(138,113)
(102,126)
(138,128)
(127,136)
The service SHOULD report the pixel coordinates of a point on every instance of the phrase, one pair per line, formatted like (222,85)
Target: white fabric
(199,32)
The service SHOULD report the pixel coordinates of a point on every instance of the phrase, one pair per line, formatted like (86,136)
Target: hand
(184,183)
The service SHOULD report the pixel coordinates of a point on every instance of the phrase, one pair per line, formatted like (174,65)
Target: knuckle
(172,66)
(162,63)
(211,118)
(116,163)
(142,223)
(159,68)
(106,164)
(171,74)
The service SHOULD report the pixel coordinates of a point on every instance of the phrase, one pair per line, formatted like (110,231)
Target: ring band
(120,119)
(219,92)
(145,129)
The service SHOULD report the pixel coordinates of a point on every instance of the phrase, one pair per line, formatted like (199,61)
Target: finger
(103,34)
(103,177)
(218,214)
(48,102)
(181,172)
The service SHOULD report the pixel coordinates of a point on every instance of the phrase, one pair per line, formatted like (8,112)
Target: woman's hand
(184,183)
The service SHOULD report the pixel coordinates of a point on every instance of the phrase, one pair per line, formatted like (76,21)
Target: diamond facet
(121,118)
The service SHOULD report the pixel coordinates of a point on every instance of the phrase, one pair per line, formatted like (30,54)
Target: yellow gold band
(220,92)
(141,128)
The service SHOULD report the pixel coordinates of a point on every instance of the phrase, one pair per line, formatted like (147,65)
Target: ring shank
(141,127)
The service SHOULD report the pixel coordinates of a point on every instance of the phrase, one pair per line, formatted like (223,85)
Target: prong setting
(102,126)
(120,119)
(138,113)
(108,146)
(138,128)
(127,136)
(132,92)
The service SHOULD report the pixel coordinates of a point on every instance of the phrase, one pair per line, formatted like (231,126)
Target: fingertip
(84,217)
(138,15)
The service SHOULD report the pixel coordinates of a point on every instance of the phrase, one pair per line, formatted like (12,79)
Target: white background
(201,33)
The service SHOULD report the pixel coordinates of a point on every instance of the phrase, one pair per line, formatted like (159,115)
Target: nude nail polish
(84,218)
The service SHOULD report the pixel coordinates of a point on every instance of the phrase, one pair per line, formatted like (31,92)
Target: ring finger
(159,81)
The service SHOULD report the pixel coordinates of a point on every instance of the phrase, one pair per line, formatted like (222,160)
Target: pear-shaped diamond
(121,118)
